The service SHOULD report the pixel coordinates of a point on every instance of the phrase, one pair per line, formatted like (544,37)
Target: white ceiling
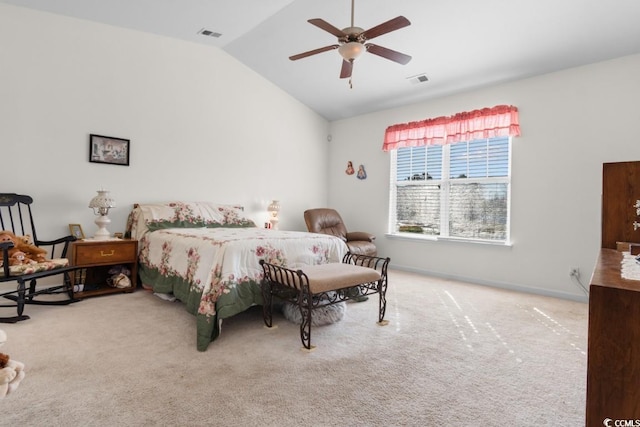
(457,44)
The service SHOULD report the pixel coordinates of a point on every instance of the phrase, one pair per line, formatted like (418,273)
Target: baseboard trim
(499,285)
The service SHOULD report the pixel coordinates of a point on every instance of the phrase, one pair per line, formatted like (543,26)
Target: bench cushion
(19,270)
(333,276)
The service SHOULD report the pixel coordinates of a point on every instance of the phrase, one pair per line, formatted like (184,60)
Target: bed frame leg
(382,306)
(304,303)
(267,309)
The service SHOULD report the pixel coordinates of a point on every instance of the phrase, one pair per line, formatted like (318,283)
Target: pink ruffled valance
(501,120)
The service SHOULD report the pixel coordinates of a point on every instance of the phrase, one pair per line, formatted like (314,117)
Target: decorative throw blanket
(216,271)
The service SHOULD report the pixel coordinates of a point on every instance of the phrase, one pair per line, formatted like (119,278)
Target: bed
(207,256)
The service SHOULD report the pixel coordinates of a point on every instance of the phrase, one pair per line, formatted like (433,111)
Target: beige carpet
(453,355)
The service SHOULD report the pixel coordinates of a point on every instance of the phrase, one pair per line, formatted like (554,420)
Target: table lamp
(273,209)
(101,205)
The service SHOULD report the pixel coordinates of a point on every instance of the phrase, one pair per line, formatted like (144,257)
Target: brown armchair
(328,221)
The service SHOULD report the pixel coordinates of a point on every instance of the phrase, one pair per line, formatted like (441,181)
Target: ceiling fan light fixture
(353,41)
(352,50)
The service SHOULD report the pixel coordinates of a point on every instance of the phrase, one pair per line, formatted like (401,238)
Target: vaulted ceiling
(456,45)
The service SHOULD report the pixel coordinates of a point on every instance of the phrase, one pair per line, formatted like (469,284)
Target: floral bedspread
(216,271)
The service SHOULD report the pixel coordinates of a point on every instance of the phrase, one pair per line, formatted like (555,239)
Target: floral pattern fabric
(216,271)
(151,217)
(18,270)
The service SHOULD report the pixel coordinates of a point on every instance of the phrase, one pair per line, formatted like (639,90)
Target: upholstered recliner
(328,221)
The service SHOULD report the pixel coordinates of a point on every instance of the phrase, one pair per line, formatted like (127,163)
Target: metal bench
(320,285)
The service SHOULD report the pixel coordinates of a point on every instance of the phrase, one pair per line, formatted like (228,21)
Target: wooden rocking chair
(16,217)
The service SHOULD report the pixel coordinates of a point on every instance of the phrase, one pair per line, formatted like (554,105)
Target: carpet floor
(453,354)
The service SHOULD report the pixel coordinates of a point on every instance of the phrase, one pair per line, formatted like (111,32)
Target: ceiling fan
(352,42)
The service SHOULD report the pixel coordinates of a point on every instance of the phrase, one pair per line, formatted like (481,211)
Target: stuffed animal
(17,258)
(23,251)
(11,371)
(26,239)
(120,277)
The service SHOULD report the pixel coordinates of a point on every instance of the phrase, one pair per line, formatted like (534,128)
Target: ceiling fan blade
(313,52)
(393,55)
(347,69)
(386,27)
(324,25)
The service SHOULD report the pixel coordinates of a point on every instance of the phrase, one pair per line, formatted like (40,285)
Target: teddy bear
(11,371)
(23,251)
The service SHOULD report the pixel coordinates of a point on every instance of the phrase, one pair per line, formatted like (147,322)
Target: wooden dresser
(613,361)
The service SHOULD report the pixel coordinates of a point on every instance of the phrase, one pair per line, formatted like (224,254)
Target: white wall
(571,121)
(202,125)
(205,127)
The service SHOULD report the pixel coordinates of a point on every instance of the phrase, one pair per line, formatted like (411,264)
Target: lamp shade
(102,203)
(274,206)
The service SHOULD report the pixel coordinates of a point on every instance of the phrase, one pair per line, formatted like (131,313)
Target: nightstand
(98,257)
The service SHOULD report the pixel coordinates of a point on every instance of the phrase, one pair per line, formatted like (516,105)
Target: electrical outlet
(574,272)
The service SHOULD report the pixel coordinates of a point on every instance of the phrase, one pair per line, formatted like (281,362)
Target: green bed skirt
(240,297)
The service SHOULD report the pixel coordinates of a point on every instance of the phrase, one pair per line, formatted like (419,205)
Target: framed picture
(106,149)
(76,230)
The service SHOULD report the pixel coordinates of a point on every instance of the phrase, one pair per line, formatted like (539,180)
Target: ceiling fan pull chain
(350,82)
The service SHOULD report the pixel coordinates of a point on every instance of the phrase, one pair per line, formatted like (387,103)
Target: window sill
(418,237)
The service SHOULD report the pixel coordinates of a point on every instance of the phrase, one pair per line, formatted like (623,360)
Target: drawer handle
(109,254)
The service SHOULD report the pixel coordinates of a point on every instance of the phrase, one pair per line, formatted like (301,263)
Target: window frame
(445,182)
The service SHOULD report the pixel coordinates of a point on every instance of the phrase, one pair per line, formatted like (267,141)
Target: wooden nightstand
(98,257)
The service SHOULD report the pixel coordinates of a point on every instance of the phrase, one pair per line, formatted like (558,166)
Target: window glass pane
(480,159)
(434,162)
(498,156)
(403,162)
(411,163)
(458,162)
(478,211)
(477,159)
(418,209)
(419,163)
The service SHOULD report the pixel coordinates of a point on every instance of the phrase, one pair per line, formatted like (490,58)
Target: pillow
(226,216)
(151,217)
(172,215)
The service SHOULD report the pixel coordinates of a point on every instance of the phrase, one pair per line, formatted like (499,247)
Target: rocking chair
(16,217)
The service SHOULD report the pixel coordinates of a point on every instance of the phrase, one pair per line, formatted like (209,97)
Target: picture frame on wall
(110,150)
(76,231)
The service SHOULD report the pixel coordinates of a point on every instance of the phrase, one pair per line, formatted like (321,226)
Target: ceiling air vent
(420,78)
(209,33)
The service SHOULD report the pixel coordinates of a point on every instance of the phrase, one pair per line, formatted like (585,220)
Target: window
(458,190)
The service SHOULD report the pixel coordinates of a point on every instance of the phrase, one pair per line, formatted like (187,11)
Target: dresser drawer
(104,253)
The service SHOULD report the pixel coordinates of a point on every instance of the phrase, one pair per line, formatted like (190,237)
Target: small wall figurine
(361,172)
(350,170)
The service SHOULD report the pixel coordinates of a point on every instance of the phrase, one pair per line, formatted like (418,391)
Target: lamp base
(274,223)
(102,233)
